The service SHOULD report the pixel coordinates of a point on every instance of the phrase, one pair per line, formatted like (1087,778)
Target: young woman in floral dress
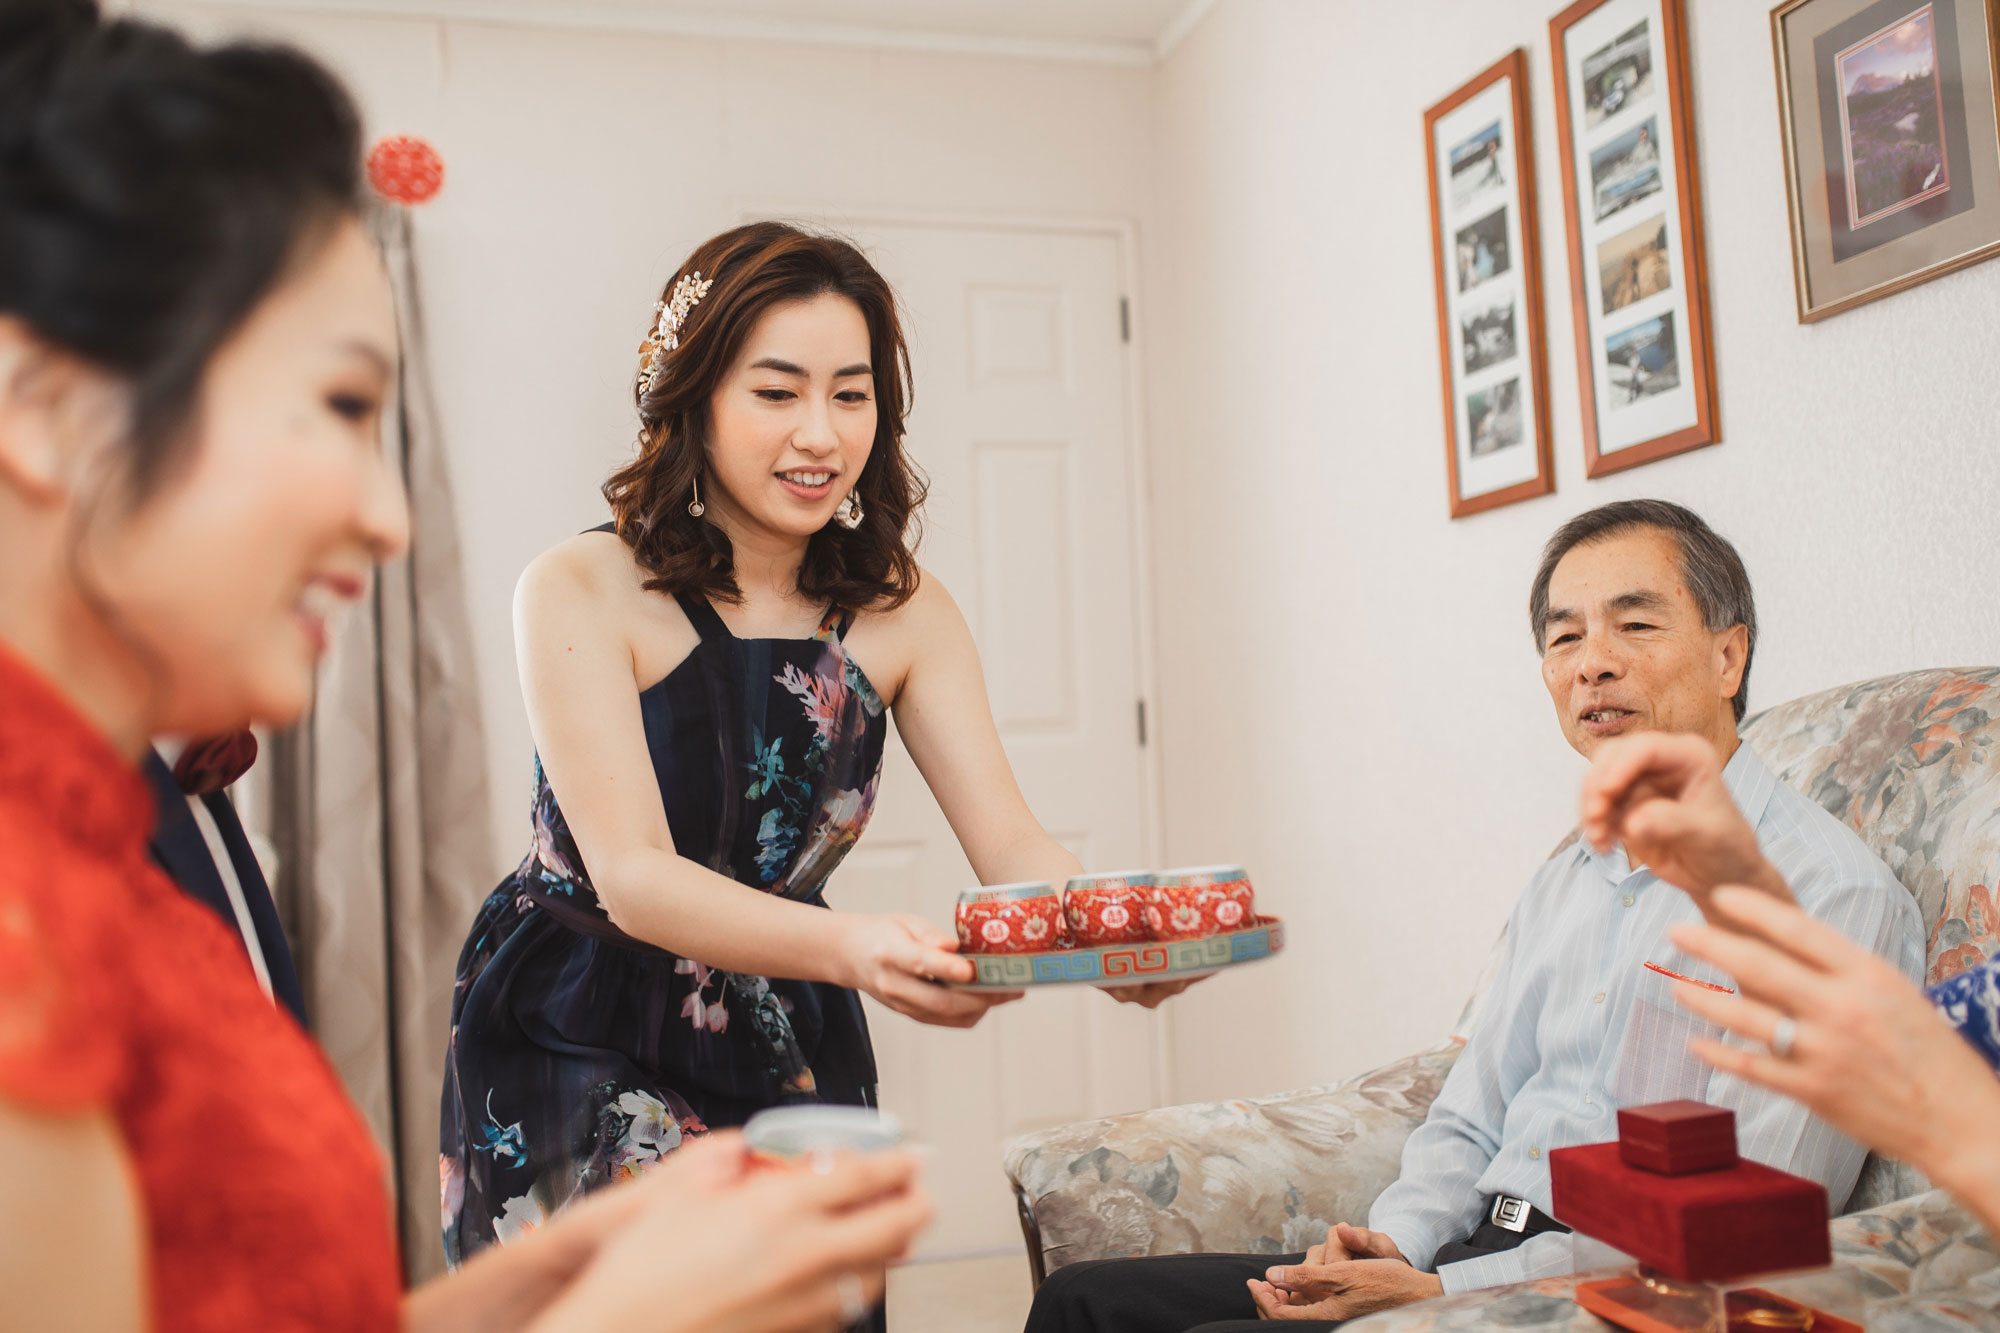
(709,680)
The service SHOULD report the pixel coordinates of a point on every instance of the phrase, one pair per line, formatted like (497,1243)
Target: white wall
(583,166)
(1352,699)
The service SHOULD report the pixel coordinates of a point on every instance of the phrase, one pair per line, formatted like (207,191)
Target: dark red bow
(213,764)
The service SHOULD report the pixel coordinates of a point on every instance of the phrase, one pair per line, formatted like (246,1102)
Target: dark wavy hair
(754,268)
(152,193)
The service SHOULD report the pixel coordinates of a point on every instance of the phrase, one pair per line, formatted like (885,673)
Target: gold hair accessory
(665,334)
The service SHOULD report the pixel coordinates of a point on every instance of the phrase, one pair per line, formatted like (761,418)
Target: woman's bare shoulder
(591,589)
(893,641)
(929,608)
(590,564)
(592,576)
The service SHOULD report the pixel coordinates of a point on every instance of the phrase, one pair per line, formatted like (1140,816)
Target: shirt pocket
(1654,1063)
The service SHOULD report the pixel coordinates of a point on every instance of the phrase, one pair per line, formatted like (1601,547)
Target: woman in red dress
(195,342)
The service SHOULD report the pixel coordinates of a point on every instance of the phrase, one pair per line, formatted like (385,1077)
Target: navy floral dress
(580,1055)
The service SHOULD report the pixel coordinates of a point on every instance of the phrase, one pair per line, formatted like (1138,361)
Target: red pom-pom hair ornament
(405,168)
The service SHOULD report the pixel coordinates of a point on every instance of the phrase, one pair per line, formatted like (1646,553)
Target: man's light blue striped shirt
(1576,1026)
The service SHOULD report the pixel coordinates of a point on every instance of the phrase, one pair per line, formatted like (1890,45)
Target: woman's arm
(577,677)
(705,1241)
(946,722)
(508,1287)
(71,1247)
(1871,1054)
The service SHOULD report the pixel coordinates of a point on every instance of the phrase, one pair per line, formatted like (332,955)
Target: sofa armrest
(1265,1176)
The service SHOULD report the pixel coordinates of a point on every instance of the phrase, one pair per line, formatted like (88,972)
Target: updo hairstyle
(152,193)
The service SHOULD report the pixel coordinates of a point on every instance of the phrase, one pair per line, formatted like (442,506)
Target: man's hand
(1662,795)
(1345,1241)
(1355,1272)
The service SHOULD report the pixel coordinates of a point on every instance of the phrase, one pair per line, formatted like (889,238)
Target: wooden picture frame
(1487,248)
(1638,264)
(1892,169)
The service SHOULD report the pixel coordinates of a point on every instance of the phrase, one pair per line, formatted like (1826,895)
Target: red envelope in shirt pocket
(1653,1063)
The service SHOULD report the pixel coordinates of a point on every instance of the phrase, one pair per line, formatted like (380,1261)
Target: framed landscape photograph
(1489,291)
(1632,213)
(1892,149)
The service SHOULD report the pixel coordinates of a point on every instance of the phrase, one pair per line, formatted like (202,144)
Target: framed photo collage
(1890,118)
(1489,286)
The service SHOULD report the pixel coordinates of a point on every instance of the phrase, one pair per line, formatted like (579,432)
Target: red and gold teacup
(1009,918)
(1107,909)
(1200,900)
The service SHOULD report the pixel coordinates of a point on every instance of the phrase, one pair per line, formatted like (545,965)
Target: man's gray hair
(1710,568)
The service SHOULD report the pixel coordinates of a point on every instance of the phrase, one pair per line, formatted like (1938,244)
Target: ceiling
(1115,31)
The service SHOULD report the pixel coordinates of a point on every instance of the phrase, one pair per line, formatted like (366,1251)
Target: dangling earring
(695,507)
(849,513)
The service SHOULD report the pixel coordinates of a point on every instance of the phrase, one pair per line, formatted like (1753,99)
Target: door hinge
(1142,722)
(1124,319)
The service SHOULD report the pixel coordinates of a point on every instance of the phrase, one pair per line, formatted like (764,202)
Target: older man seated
(1644,620)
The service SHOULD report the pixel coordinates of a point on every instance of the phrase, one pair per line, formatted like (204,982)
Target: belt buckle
(1509,1213)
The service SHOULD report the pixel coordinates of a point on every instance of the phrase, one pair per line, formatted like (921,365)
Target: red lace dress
(261,1189)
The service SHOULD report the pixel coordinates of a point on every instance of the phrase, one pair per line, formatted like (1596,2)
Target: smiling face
(792,422)
(1625,649)
(227,576)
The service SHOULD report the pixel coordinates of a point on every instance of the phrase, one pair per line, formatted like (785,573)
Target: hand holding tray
(1127,964)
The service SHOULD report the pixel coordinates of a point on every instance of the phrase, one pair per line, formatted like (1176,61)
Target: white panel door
(1022,424)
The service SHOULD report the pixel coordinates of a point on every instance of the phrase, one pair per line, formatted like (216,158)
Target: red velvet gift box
(1677,1138)
(1707,1226)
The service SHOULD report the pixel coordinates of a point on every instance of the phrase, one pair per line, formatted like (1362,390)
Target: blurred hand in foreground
(1662,796)
(1869,1052)
(709,1240)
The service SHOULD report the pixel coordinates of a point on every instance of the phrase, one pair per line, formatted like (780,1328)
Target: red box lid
(1674,1138)
(1709,1226)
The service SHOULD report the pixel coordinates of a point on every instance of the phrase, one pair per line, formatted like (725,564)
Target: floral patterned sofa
(1911,761)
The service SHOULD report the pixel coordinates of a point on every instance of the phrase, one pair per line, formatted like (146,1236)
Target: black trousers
(1202,1293)
(1163,1293)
